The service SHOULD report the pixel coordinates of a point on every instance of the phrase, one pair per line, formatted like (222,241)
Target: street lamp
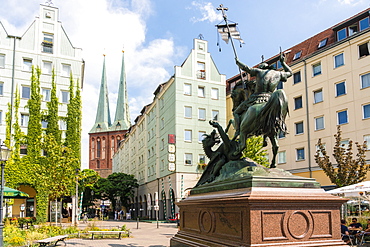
(4,154)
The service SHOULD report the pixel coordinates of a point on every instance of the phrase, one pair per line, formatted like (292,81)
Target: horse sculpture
(267,119)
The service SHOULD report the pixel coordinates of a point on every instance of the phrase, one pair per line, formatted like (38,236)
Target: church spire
(122,117)
(102,121)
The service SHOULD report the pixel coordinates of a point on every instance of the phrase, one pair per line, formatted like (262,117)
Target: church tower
(104,137)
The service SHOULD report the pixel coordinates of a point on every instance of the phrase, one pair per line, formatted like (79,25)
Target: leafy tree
(116,185)
(254,150)
(348,170)
(52,117)
(87,179)
(34,124)
(73,120)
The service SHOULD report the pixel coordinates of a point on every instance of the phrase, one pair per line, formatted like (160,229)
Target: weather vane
(49,2)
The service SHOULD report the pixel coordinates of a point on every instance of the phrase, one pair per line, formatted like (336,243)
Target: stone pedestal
(260,211)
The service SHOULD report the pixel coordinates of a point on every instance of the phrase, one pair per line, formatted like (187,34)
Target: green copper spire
(122,118)
(102,121)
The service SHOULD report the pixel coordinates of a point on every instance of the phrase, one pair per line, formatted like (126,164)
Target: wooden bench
(55,239)
(108,232)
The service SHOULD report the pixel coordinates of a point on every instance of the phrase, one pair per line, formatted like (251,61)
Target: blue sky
(158,34)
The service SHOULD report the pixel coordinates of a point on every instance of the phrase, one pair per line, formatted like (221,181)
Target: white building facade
(46,45)
(163,149)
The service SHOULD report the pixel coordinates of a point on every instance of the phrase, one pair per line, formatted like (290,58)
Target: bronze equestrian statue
(259,110)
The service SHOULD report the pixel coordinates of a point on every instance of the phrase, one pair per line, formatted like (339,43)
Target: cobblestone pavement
(148,235)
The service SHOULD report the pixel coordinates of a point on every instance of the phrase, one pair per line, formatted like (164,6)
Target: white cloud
(208,12)
(350,2)
(105,26)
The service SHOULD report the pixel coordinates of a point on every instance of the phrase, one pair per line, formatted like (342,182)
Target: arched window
(118,141)
(103,149)
(98,148)
(92,148)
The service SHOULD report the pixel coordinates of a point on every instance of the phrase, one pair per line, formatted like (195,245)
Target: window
(1,117)
(281,135)
(367,140)
(322,43)
(201,92)
(365,80)
(297,77)
(366,110)
(24,120)
(282,157)
(201,136)
(299,128)
(187,135)
(342,117)
(62,125)
(202,159)
(318,149)
(188,159)
(297,55)
(215,115)
(187,110)
(280,85)
(363,50)
(47,43)
(340,88)
(319,123)
(316,68)
(214,93)
(201,114)
(1,88)
(187,89)
(317,96)
(44,124)
(26,92)
(27,65)
(66,70)
(65,97)
(46,94)
(338,60)
(352,29)
(341,34)
(201,72)
(364,23)
(279,66)
(300,154)
(46,67)
(298,102)
(2,61)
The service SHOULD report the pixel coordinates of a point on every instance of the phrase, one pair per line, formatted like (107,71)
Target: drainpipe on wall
(307,121)
(12,89)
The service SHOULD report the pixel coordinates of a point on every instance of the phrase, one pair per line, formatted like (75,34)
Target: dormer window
(341,34)
(352,29)
(364,23)
(322,43)
(297,55)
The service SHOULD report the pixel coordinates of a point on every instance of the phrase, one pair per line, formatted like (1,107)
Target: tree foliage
(254,150)
(51,173)
(347,170)
(117,185)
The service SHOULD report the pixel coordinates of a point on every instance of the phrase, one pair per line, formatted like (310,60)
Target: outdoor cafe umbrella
(13,193)
(355,190)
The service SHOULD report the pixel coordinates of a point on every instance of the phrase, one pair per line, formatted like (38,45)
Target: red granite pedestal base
(260,216)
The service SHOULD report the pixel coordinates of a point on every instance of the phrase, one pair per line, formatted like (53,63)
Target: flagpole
(223,9)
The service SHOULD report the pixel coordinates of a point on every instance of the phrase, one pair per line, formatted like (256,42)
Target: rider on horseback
(267,79)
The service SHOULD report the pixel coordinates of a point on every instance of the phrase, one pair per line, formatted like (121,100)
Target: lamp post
(76,200)
(4,154)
